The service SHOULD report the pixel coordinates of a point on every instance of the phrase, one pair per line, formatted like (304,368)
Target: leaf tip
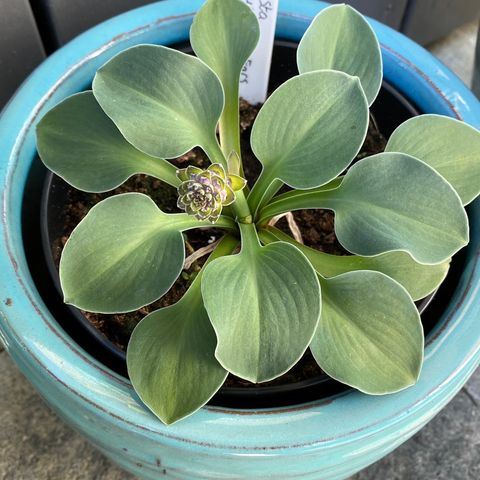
(170,420)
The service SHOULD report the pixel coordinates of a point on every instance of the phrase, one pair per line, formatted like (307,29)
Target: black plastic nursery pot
(389,110)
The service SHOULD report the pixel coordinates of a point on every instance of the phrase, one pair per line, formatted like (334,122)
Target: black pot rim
(47,242)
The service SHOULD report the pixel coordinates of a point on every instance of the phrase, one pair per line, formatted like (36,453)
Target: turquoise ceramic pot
(329,439)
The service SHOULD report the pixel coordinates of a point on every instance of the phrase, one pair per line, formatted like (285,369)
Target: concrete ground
(36,445)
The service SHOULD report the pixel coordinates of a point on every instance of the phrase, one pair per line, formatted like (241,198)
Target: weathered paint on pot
(329,439)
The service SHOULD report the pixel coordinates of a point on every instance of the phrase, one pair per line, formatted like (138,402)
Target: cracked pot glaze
(327,439)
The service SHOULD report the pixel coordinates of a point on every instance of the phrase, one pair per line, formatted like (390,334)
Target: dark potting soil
(316,227)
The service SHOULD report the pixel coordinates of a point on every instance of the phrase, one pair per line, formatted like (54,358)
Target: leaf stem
(298,200)
(163,170)
(230,140)
(186,222)
(225,222)
(214,153)
(229,125)
(324,263)
(263,191)
(242,210)
(250,240)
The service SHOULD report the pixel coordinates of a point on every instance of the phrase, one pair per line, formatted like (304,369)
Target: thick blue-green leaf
(163,101)
(311,128)
(224,33)
(308,131)
(264,305)
(78,142)
(339,38)
(419,280)
(449,146)
(126,253)
(389,201)
(171,354)
(369,335)
(395,202)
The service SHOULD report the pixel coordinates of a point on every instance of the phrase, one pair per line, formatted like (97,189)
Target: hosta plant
(261,299)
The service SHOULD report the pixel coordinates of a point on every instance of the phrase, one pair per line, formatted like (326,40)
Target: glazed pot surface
(327,439)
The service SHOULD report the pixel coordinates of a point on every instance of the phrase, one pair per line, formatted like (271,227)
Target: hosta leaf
(173,348)
(78,142)
(310,129)
(395,202)
(163,101)
(169,352)
(340,38)
(124,254)
(264,305)
(224,33)
(419,280)
(389,201)
(369,335)
(449,146)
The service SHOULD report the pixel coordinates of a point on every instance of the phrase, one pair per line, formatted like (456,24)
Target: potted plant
(255,313)
(118,428)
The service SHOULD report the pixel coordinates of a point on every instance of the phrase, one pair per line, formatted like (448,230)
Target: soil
(316,227)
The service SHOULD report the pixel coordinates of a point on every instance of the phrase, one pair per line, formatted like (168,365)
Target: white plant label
(256,71)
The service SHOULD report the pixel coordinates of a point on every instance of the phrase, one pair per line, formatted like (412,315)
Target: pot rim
(35,340)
